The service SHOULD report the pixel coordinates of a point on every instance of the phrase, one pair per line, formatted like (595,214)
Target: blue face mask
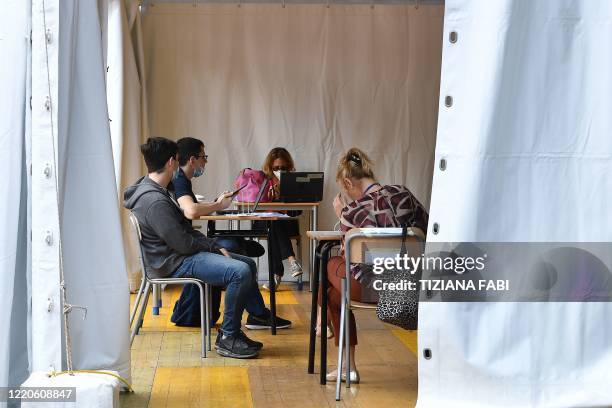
(198,172)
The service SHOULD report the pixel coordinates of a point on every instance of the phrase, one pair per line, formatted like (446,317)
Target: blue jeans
(238,275)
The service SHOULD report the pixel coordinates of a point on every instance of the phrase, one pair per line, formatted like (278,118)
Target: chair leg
(347,337)
(206,310)
(298,244)
(143,308)
(203,318)
(341,340)
(209,314)
(137,301)
(257,259)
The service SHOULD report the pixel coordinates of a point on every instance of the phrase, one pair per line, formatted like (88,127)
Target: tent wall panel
(529,154)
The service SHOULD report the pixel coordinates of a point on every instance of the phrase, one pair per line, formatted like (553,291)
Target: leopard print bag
(399,307)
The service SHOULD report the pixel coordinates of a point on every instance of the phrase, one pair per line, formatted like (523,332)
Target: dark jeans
(282,247)
(238,275)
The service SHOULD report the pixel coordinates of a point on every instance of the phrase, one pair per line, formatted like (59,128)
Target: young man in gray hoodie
(172,248)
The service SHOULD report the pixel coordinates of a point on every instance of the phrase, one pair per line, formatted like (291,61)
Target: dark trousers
(335,273)
(282,247)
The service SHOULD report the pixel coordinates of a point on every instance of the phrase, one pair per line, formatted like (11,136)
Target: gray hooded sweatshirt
(167,236)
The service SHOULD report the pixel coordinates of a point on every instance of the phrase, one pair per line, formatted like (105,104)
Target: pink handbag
(253,180)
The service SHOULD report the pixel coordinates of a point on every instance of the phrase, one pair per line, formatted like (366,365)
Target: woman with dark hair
(363,202)
(278,160)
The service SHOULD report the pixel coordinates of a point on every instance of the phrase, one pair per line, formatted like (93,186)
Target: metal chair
(353,244)
(146,287)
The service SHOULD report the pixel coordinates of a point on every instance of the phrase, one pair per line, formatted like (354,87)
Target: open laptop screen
(299,187)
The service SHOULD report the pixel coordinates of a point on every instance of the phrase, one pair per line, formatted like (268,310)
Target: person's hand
(225,253)
(339,204)
(224,200)
(273,192)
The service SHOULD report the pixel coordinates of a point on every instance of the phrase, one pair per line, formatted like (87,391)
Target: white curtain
(14,47)
(93,257)
(313,79)
(528,158)
(126,93)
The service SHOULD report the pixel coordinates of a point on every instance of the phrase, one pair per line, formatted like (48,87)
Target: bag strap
(404,235)
(404,226)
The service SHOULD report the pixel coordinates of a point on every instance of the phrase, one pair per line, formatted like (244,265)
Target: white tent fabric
(62,133)
(126,93)
(94,263)
(314,79)
(529,153)
(46,332)
(14,47)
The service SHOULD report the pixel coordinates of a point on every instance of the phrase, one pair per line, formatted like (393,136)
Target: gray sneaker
(277,281)
(296,269)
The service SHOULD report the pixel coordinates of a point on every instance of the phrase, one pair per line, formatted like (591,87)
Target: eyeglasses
(205,156)
(279,168)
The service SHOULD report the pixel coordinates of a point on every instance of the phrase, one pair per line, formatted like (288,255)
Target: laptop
(260,195)
(301,187)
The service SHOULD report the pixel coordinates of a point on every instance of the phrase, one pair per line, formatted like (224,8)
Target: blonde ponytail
(355,164)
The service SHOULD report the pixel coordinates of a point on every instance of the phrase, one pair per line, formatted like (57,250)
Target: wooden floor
(167,370)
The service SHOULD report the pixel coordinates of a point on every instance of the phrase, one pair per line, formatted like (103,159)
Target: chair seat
(173,280)
(362,305)
(296,237)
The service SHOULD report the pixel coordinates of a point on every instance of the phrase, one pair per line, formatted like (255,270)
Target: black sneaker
(253,343)
(234,346)
(258,345)
(265,322)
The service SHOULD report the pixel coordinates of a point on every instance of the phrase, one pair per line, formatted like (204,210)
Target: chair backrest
(379,241)
(137,237)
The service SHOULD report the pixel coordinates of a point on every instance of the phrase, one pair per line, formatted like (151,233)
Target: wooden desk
(326,241)
(312,207)
(269,221)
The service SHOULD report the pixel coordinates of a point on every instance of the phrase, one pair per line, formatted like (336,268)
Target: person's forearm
(207,208)
(194,211)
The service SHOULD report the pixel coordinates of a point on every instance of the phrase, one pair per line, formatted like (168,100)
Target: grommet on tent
(452,37)
(448,101)
(427,354)
(47,170)
(48,237)
(436,228)
(443,164)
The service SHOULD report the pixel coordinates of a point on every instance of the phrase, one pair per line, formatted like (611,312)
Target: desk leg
(315,224)
(313,313)
(311,252)
(156,299)
(271,281)
(324,285)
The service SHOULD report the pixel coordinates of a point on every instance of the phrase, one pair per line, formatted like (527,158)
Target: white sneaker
(296,269)
(277,282)
(333,376)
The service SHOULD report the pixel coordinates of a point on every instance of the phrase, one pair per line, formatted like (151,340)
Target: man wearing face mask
(192,164)
(172,248)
